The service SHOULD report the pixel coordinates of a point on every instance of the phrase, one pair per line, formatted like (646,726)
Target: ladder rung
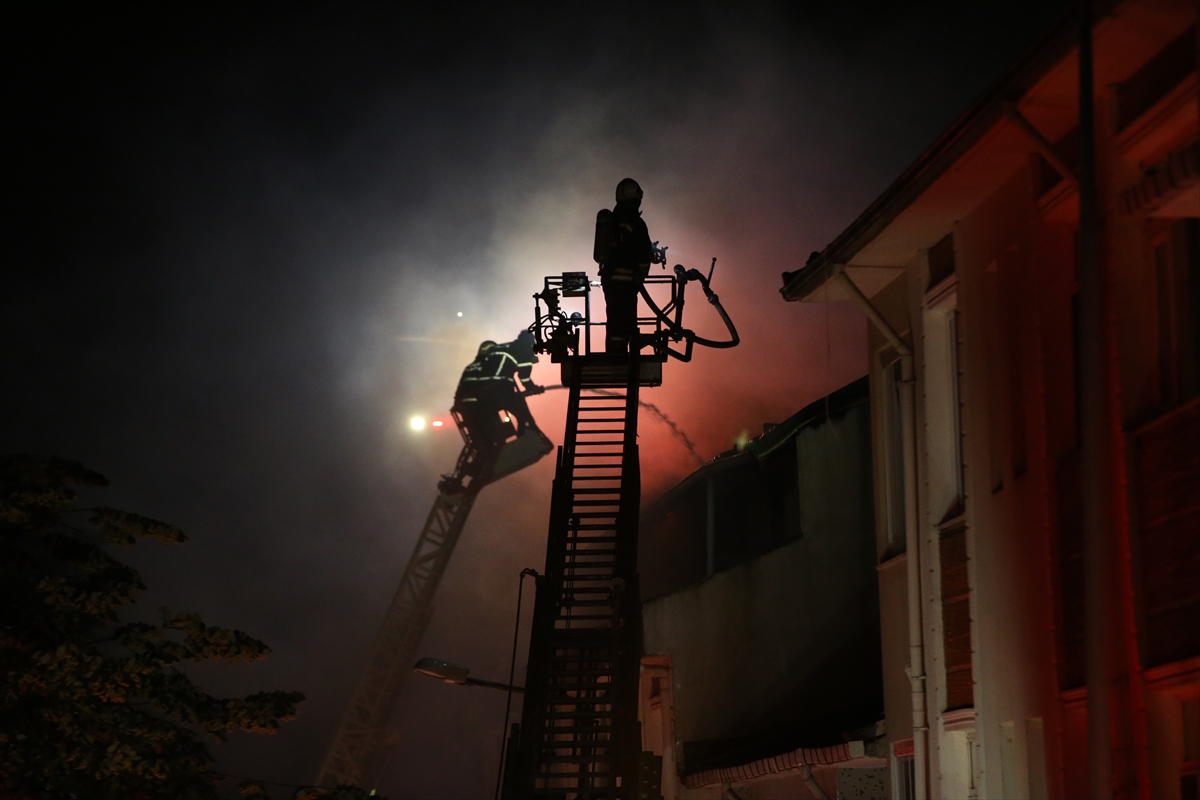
(578,729)
(581,420)
(581,671)
(558,792)
(597,650)
(586,672)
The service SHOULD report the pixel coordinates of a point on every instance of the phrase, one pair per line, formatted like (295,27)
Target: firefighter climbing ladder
(580,735)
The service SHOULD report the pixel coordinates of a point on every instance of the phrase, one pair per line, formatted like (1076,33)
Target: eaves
(990,109)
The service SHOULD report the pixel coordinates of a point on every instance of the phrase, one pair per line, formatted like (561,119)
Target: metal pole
(510,687)
(1093,404)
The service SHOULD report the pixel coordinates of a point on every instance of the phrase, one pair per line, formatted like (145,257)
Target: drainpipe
(811,783)
(912,542)
(1095,452)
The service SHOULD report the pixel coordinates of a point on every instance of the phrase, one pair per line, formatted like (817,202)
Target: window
(943,410)
(905,787)
(1156,78)
(1189,775)
(893,384)
(904,770)
(956,619)
(1176,254)
(941,260)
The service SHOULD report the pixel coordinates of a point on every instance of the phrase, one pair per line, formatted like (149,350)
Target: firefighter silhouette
(489,386)
(624,252)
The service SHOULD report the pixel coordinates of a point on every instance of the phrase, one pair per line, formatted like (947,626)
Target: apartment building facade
(969,269)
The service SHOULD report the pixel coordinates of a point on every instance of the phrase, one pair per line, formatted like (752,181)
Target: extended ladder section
(580,737)
(395,647)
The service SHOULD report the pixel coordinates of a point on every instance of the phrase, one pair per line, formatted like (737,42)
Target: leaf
(253,790)
(125,528)
(76,473)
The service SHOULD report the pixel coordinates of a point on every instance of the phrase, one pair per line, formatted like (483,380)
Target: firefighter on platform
(489,386)
(624,252)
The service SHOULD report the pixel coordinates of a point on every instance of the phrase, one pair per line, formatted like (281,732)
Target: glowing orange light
(437,423)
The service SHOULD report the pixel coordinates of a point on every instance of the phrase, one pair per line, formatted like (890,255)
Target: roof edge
(962,134)
(772,765)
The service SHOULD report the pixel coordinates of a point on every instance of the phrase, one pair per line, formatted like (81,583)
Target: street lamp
(457,674)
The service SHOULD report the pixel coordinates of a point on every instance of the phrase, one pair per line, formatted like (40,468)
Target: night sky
(237,239)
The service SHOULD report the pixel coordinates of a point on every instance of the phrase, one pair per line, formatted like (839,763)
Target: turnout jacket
(497,368)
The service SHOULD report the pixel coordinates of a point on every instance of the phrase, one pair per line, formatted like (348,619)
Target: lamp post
(450,672)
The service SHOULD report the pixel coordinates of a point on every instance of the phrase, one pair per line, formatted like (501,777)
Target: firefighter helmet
(628,191)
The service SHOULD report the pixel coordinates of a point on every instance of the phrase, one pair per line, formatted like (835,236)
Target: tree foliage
(92,706)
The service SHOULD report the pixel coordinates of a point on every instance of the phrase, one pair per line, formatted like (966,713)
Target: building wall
(982,231)
(784,643)
(999,263)
(1013,285)
(783,651)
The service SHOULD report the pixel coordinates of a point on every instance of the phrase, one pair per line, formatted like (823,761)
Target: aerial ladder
(486,457)
(579,736)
